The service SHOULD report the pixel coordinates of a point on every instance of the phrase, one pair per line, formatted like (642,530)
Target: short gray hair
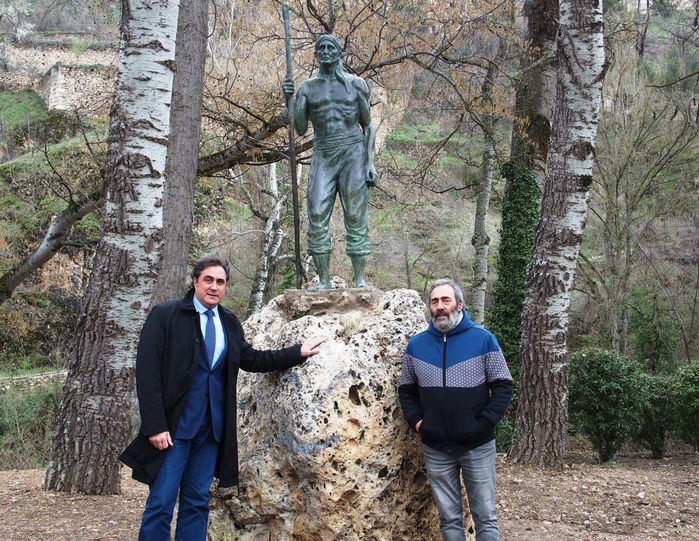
(458,294)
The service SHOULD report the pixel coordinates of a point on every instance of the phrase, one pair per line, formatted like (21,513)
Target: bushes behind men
(612,400)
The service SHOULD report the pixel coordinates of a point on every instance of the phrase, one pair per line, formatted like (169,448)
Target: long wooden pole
(292,153)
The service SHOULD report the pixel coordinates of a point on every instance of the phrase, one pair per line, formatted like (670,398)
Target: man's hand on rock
(418,425)
(161,440)
(311,346)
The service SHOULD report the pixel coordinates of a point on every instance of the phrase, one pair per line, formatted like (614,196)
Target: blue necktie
(210,337)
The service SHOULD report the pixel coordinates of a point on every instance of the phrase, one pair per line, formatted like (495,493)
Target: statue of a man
(337,104)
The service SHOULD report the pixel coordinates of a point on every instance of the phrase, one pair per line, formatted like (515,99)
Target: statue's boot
(358,264)
(322,263)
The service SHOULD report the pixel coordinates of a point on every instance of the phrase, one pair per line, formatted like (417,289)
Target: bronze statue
(337,104)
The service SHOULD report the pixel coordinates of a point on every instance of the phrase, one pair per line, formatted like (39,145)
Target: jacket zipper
(444,362)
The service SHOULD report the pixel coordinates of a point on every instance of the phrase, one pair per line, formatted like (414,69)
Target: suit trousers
(188,469)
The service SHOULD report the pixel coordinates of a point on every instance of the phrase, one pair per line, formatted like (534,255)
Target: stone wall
(87,90)
(30,383)
(67,80)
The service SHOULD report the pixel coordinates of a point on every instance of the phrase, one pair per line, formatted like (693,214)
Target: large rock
(324,451)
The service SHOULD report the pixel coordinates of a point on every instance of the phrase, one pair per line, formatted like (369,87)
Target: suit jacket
(205,398)
(168,351)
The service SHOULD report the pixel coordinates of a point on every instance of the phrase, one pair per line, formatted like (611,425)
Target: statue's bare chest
(323,93)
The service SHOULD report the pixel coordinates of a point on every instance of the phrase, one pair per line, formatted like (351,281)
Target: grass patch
(34,164)
(26,421)
(19,110)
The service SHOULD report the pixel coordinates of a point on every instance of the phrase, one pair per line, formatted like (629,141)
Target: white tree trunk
(94,420)
(271,242)
(542,416)
(183,149)
(480,239)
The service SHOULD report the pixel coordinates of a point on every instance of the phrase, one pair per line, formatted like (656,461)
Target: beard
(446,325)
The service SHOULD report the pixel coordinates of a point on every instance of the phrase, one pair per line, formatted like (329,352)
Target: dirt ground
(633,499)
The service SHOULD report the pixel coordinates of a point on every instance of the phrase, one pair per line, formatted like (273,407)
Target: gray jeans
(477,467)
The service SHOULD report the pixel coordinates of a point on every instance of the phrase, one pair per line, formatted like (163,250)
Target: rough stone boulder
(324,451)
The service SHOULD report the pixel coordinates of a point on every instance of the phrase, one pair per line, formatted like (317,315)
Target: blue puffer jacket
(458,384)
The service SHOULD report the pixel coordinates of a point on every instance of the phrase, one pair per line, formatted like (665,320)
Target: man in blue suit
(189,353)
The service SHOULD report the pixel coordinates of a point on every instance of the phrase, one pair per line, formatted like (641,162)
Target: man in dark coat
(189,353)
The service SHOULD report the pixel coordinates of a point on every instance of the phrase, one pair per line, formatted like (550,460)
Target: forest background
(444,81)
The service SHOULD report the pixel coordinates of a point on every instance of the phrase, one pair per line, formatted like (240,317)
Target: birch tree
(271,242)
(55,238)
(542,414)
(94,418)
(480,239)
(183,148)
(524,173)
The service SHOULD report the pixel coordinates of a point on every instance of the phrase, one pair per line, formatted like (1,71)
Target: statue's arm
(364,104)
(301,110)
(369,130)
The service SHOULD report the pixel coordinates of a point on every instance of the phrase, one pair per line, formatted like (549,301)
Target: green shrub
(26,419)
(605,404)
(655,413)
(503,436)
(685,403)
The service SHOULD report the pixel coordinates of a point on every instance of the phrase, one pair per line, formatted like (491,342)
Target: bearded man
(337,104)
(454,389)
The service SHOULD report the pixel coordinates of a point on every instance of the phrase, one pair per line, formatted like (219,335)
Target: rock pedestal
(325,454)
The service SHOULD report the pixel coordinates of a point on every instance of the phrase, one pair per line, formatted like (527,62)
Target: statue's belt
(346,139)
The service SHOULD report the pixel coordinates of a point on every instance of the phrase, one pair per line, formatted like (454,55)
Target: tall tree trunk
(542,415)
(643,28)
(183,148)
(271,242)
(94,418)
(480,239)
(524,173)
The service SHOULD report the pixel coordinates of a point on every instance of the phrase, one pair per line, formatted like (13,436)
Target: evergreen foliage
(520,213)
(605,404)
(504,433)
(685,403)
(655,413)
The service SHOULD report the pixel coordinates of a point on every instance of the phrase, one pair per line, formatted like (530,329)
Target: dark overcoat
(168,347)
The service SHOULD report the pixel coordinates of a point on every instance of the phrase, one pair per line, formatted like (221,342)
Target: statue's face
(327,53)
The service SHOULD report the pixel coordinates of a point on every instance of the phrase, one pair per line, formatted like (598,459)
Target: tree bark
(542,415)
(94,418)
(183,148)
